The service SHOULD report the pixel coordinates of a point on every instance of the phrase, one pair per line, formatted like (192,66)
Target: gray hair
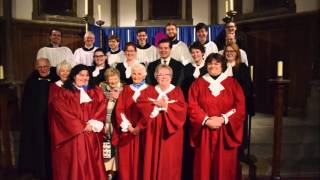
(88,34)
(139,67)
(64,63)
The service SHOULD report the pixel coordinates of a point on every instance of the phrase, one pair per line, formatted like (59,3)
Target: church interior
(285,130)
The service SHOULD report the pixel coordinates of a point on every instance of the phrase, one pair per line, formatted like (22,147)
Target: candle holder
(100,23)
(85,20)
(232,14)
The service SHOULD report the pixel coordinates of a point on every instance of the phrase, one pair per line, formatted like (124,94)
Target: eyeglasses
(43,67)
(163,75)
(230,26)
(230,51)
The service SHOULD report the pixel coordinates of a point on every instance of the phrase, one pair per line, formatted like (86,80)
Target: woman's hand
(88,128)
(135,131)
(114,94)
(215,122)
(161,103)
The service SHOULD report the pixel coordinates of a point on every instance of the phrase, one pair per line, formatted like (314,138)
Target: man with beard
(179,49)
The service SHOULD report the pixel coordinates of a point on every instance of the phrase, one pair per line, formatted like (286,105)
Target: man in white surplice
(84,55)
(54,51)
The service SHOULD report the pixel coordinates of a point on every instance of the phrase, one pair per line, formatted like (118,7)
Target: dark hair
(165,40)
(217,57)
(129,44)
(113,36)
(197,45)
(74,71)
(141,30)
(104,53)
(171,24)
(228,22)
(201,26)
(50,33)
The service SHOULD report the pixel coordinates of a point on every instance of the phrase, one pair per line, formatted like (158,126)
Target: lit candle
(227,6)
(86,7)
(1,72)
(251,72)
(99,12)
(128,35)
(280,68)
(231,5)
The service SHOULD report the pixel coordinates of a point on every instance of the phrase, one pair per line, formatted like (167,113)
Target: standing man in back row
(179,50)
(146,53)
(202,35)
(84,55)
(54,52)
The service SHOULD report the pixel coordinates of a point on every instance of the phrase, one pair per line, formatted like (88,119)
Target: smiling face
(197,55)
(55,37)
(164,77)
(89,40)
(137,76)
(214,68)
(99,58)
(230,28)
(113,81)
(63,73)
(130,53)
(82,78)
(164,49)
(142,38)
(230,54)
(113,44)
(171,31)
(202,35)
(43,67)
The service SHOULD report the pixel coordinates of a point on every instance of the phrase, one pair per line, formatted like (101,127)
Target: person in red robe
(77,116)
(165,110)
(131,124)
(217,112)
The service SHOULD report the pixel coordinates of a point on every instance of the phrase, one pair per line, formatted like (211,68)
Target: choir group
(145,113)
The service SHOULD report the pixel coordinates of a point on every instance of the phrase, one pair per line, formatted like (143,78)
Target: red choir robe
(76,154)
(130,146)
(216,150)
(164,134)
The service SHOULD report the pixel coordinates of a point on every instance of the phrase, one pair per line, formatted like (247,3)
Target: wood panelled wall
(29,36)
(293,39)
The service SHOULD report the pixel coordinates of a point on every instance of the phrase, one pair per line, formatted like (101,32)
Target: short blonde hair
(111,72)
(163,66)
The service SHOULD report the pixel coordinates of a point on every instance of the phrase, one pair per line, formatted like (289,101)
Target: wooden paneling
(293,39)
(29,36)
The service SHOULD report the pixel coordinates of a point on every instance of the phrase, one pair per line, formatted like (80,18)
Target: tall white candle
(227,6)
(99,11)
(231,5)
(128,35)
(178,34)
(280,68)
(194,34)
(1,72)
(86,7)
(251,72)
(209,29)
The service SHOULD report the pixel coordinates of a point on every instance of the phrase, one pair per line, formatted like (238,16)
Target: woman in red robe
(216,110)
(165,110)
(131,125)
(77,116)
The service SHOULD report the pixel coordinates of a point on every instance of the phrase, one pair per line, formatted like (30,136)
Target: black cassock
(100,77)
(35,152)
(176,66)
(188,78)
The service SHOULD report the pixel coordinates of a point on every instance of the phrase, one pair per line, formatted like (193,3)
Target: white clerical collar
(84,97)
(96,71)
(165,59)
(128,67)
(196,72)
(215,85)
(163,93)
(59,83)
(137,92)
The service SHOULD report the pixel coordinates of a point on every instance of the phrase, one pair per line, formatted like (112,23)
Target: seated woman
(240,71)
(111,87)
(77,117)
(130,51)
(131,125)
(100,64)
(164,110)
(216,112)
